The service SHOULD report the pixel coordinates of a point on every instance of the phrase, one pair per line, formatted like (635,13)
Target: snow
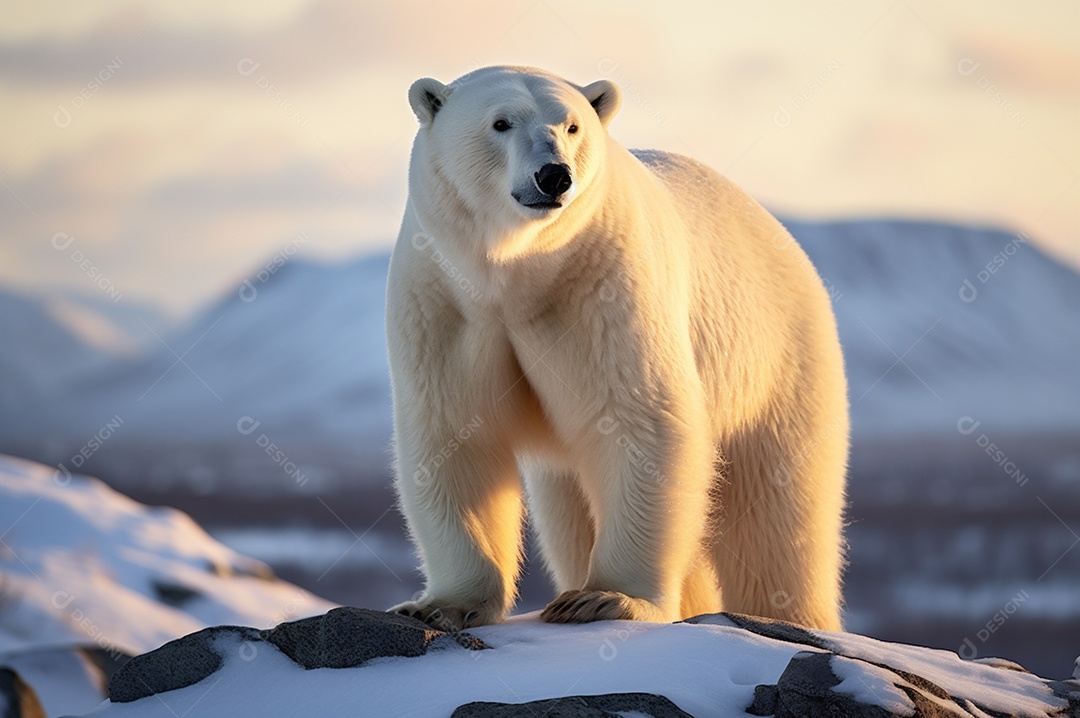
(870,685)
(1011,692)
(706,669)
(83,564)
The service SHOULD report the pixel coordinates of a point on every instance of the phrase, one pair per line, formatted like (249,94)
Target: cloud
(151,51)
(327,38)
(180,171)
(1020,64)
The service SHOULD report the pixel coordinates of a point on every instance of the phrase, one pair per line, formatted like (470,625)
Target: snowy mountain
(85,572)
(125,328)
(60,341)
(40,355)
(939,322)
(302,352)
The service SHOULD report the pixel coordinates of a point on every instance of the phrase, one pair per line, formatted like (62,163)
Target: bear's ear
(605,97)
(426,96)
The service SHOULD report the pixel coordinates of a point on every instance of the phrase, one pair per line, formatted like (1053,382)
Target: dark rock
(173,594)
(347,637)
(766,698)
(609,705)
(1068,691)
(768,627)
(806,689)
(17,700)
(177,664)
(341,638)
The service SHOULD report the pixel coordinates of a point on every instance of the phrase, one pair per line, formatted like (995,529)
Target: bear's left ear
(605,97)
(426,96)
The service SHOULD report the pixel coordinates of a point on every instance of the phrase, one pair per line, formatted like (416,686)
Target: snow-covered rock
(355,662)
(89,577)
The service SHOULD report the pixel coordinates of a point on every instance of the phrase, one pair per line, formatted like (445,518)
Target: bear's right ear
(426,96)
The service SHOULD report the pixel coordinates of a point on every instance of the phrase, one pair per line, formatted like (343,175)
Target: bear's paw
(447,616)
(585,606)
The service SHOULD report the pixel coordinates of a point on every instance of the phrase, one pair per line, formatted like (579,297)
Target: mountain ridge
(928,341)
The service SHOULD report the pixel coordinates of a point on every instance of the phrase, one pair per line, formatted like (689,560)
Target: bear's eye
(501,126)
(572,129)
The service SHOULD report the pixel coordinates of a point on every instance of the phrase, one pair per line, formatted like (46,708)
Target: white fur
(657,359)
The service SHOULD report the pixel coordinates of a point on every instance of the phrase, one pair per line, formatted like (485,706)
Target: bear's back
(743,263)
(730,234)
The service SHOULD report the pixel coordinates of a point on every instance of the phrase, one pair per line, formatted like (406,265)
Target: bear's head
(503,152)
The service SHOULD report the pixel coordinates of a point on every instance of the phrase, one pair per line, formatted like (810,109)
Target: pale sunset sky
(170,149)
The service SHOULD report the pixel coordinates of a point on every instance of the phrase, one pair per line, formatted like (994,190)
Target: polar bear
(625,338)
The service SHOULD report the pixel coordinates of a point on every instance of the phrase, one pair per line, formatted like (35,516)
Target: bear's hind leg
(560,516)
(701,590)
(778,549)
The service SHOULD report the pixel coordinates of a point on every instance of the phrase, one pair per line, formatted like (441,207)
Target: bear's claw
(585,606)
(443,617)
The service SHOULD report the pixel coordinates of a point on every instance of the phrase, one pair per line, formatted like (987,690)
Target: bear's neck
(526,266)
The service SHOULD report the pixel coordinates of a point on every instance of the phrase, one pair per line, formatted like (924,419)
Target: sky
(161,152)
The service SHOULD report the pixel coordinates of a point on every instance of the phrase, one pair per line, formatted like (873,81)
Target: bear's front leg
(457,392)
(653,480)
(462,502)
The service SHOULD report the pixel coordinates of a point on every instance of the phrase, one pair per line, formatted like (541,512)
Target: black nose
(553,180)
